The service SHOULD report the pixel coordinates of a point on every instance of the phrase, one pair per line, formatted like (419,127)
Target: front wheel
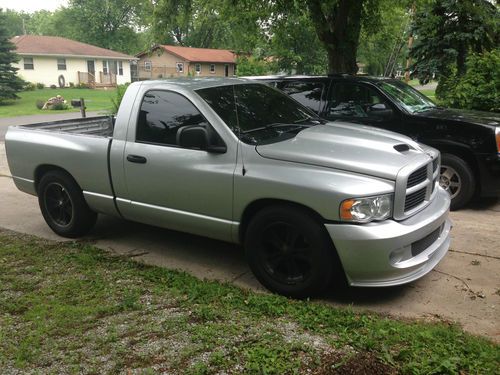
(289,251)
(457,179)
(63,205)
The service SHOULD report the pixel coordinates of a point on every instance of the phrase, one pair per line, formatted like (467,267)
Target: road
(464,287)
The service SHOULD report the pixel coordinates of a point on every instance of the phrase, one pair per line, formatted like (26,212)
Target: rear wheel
(289,251)
(63,205)
(457,179)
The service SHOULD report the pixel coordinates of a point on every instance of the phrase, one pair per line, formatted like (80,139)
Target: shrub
(71,84)
(252,67)
(40,103)
(82,86)
(120,91)
(478,89)
(59,106)
(40,85)
(29,86)
(53,86)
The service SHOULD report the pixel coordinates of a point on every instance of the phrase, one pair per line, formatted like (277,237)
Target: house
(164,61)
(54,60)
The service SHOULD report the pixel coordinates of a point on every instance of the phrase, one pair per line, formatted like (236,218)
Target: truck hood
(355,148)
(462,115)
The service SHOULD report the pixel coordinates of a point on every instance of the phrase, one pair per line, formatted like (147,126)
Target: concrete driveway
(464,287)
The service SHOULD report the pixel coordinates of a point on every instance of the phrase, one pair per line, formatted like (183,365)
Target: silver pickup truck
(241,162)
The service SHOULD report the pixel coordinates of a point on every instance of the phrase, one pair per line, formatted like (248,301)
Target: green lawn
(72,308)
(95,100)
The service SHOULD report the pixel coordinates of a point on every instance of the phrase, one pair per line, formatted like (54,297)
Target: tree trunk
(338,29)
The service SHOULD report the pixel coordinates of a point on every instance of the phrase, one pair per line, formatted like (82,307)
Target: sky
(30,6)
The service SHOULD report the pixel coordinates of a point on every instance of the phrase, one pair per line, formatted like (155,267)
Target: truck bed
(101,126)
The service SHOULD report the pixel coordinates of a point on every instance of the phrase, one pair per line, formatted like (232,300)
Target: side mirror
(378,107)
(379,110)
(196,137)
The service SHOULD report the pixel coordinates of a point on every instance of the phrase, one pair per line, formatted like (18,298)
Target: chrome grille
(415,199)
(417,177)
(415,186)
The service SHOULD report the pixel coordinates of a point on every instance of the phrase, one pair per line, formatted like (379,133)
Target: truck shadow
(210,259)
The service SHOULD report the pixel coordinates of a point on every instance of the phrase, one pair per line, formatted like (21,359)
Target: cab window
(358,101)
(306,93)
(161,115)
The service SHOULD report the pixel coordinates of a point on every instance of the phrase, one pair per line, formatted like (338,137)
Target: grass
(95,100)
(72,308)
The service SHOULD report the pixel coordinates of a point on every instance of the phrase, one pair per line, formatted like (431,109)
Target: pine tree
(10,83)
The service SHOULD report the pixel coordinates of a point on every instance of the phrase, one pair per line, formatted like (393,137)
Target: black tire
(63,205)
(457,178)
(289,251)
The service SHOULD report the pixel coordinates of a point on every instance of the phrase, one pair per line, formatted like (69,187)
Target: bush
(40,86)
(53,86)
(29,86)
(82,86)
(252,67)
(116,101)
(478,89)
(71,84)
(59,106)
(40,103)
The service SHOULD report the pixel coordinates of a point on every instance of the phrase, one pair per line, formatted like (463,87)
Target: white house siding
(45,70)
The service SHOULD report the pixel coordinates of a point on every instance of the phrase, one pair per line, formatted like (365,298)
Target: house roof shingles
(207,55)
(59,46)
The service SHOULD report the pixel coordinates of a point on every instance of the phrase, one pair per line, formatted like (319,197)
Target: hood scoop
(402,147)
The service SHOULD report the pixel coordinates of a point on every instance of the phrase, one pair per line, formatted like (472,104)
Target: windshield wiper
(278,125)
(424,108)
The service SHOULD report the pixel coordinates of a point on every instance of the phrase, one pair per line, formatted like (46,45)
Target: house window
(147,66)
(212,68)
(179,67)
(105,67)
(120,68)
(28,63)
(197,68)
(61,64)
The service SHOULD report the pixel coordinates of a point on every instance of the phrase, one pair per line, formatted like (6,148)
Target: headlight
(364,210)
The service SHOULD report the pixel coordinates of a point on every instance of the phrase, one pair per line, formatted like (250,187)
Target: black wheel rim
(285,253)
(58,203)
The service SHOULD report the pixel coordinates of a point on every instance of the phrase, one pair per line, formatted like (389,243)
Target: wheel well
(465,155)
(258,205)
(41,170)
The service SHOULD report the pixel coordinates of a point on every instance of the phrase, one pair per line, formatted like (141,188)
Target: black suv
(469,141)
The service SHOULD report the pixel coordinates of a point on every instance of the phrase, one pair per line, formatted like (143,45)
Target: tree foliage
(478,88)
(10,83)
(448,30)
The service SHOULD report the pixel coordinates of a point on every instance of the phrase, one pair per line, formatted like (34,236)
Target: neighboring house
(54,60)
(164,61)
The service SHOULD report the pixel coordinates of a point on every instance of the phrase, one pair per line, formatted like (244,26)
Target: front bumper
(391,253)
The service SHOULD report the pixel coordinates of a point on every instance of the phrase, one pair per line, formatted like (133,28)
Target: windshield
(412,100)
(257,113)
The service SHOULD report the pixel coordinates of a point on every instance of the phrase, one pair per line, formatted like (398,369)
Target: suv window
(353,100)
(162,114)
(306,93)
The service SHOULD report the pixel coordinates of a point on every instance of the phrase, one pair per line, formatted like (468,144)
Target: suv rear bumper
(391,253)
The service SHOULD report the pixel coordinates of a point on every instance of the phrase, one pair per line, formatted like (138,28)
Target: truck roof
(195,83)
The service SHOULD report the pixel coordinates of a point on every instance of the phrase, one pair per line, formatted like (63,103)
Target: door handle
(137,159)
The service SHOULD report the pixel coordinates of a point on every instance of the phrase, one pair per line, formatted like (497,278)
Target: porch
(102,79)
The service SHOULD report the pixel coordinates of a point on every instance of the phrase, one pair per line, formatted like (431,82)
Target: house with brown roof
(54,60)
(164,61)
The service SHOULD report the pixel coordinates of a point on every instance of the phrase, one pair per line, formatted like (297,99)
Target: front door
(226,70)
(171,186)
(91,70)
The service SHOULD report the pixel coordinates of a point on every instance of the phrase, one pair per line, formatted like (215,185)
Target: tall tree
(446,31)
(10,83)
